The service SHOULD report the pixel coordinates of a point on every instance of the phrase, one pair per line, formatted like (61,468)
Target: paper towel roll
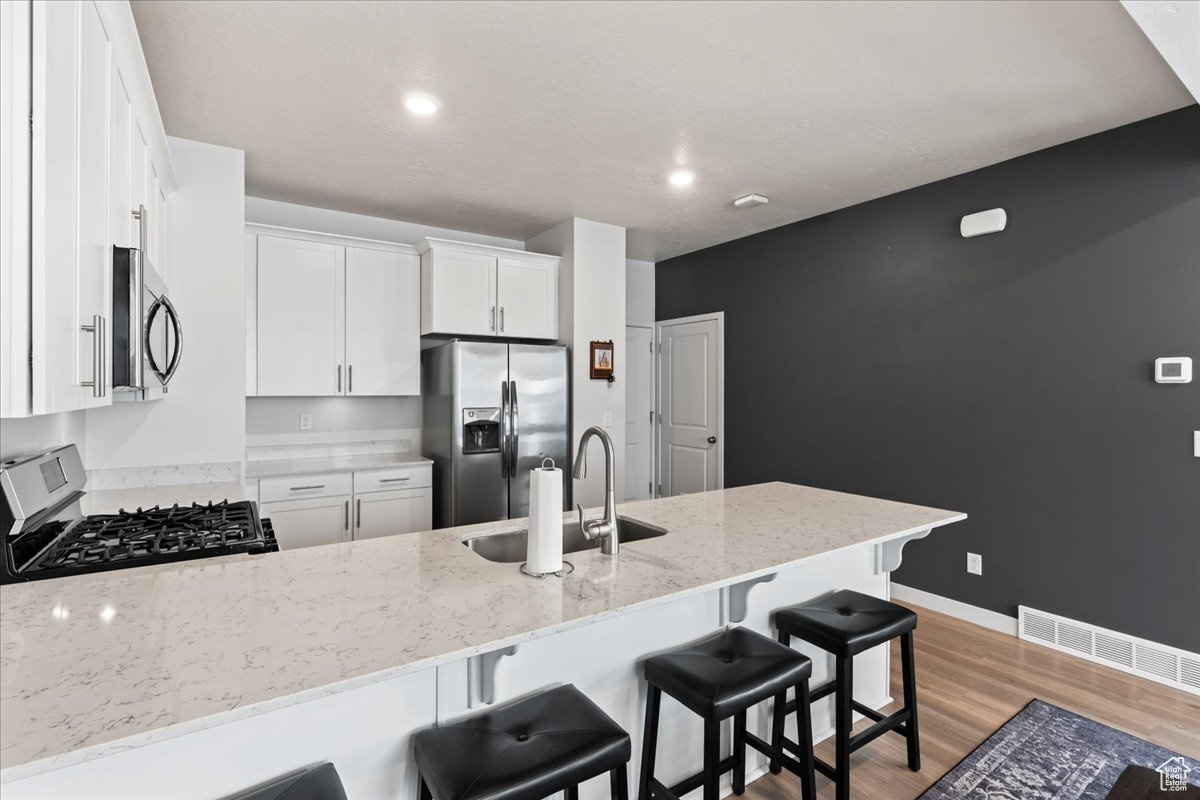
(545,544)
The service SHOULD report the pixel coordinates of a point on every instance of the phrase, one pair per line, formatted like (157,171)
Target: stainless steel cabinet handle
(502,319)
(358,514)
(393,480)
(493,327)
(306,488)
(347,522)
(339,378)
(350,378)
(139,214)
(97,331)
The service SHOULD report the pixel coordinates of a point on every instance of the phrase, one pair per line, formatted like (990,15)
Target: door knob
(712,440)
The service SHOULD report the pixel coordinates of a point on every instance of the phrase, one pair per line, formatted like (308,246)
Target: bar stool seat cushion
(727,672)
(527,749)
(846,622)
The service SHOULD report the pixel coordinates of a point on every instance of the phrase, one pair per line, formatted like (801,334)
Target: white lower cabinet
(306,523)
(387,513)
(316,509)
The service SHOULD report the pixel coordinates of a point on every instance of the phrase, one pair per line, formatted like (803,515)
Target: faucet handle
(582,520)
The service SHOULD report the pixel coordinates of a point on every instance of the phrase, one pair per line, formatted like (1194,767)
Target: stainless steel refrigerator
(490,413)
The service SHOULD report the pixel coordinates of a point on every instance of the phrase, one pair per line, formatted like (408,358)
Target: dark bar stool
(527,750)
(316,782)
(845,624)
(720,677)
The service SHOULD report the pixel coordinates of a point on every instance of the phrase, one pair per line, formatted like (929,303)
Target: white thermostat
(1175,369)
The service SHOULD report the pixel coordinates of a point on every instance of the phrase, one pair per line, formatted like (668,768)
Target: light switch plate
(608,419)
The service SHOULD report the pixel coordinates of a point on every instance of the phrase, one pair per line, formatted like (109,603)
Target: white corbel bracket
(481,676)
(888,554)
(737,598)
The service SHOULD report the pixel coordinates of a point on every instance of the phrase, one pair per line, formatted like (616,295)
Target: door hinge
(660,490)
(650,487)
(652,347)
(660,347)
(651,417)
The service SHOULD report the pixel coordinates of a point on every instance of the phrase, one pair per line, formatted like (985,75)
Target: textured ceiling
(552,110)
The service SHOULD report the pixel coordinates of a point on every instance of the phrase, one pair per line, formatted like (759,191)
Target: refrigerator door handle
(515,429)
(504,432)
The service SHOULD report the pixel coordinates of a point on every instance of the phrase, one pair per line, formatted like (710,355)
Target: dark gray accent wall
(873,350)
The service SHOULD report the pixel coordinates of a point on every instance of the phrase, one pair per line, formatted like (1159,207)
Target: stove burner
(153,535)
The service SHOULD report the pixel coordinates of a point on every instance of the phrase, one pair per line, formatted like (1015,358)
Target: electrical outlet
(608,423)
(306,422)
(974,563)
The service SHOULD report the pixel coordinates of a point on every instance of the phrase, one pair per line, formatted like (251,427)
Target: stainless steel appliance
(490,413)
(45,534)
(147,333)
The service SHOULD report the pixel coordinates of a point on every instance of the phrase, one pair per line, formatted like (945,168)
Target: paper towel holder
(567,569)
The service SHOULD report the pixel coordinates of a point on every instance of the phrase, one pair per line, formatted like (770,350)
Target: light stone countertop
(271,467)
(194,644)
(110,501)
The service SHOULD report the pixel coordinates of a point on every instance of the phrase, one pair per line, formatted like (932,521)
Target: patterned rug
(1046,753)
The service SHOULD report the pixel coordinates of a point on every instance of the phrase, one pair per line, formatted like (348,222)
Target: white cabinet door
(383,307)
(120,168)
(301,325)
(139,168)
(387,513)
(460,290)
(95,250)
(527,296)
(306,523)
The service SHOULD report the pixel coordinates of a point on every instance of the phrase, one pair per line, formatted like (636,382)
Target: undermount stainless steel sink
(510,547)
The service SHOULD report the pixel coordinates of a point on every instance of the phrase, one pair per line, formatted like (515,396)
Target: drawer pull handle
(305,488)
(394,480)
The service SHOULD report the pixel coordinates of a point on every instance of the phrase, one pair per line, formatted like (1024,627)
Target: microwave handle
(164,375)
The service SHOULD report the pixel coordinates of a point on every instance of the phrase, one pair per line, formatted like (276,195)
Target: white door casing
(639,410)
(691,398)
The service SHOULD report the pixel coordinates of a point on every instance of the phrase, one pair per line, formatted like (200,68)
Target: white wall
(203,418)
(26,436)
(591,307)
(639,291)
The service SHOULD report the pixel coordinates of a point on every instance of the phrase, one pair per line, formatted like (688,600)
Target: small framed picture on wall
(602,361)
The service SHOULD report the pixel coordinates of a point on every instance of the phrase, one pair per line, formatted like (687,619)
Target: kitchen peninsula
(151,681)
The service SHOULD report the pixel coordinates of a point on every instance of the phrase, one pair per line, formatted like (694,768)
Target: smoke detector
(750,201)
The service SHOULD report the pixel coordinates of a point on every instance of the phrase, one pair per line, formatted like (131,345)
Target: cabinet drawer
(416,476)
(299,487)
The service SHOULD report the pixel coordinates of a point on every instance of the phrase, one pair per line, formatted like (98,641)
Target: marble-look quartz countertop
(110,501)
(97,663)
(271,467)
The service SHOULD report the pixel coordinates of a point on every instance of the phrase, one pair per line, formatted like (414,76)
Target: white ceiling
(552,110)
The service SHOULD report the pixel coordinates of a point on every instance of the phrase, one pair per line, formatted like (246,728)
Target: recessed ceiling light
(421,104)
(682,178)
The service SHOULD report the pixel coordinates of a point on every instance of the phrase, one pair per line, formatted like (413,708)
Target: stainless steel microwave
(147,333)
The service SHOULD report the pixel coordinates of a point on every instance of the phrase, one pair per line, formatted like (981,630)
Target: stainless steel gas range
(47,535)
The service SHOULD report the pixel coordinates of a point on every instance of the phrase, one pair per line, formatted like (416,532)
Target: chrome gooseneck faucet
(603,529)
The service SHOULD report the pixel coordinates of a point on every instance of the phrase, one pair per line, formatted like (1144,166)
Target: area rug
(1047,753)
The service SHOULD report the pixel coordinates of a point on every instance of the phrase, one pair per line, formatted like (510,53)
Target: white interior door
(383,343)
(691,404)
(639,410)
(301,325)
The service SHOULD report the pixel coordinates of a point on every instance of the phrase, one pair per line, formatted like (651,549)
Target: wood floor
(971,680)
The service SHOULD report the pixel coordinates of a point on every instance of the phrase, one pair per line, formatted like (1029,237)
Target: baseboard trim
(954,608)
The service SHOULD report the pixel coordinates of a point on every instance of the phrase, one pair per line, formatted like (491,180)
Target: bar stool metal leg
(808,785)
(843,698)
(619,780)
(649,742)
(712,759)
(739,752)
(908,666)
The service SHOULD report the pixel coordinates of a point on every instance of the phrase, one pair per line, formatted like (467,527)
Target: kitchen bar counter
(95,664)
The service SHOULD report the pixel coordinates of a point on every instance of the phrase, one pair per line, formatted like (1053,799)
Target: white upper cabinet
(326,317)
(527,297)
(383,348)
(94,137)
(475,290)
(301,324)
